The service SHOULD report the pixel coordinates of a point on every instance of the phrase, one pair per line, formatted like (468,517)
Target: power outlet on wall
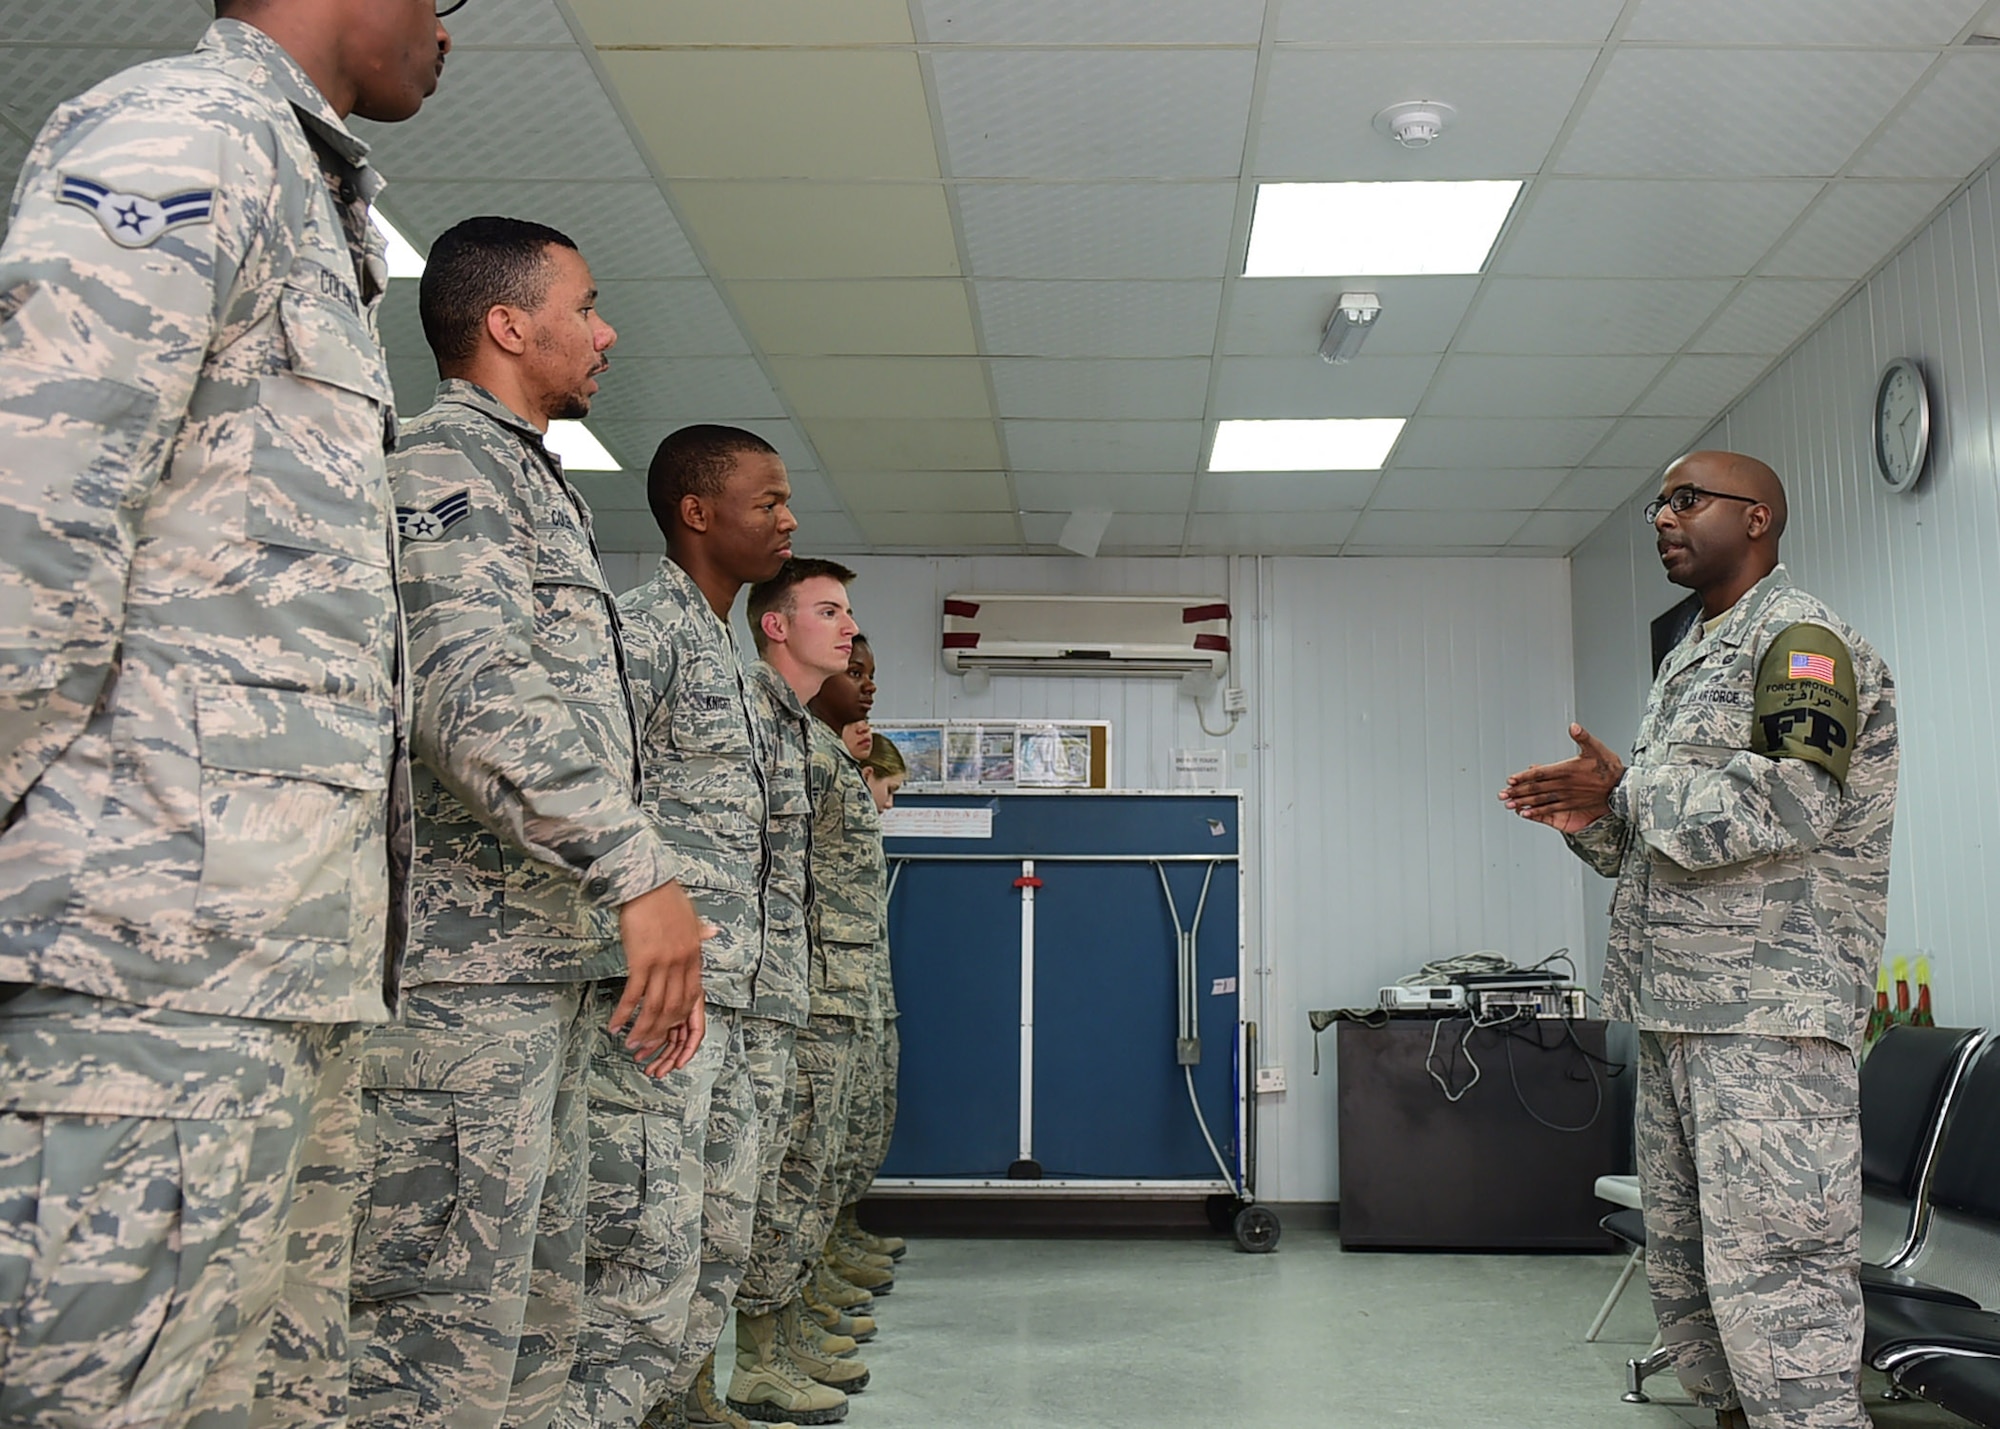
(1270,1079)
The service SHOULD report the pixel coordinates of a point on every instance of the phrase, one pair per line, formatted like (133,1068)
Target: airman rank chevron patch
(133,220)
(429,523)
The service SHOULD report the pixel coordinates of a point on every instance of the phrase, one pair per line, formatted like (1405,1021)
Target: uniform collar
(243,48)
(781,687)
(471,394)
(683,589)
(1735,627)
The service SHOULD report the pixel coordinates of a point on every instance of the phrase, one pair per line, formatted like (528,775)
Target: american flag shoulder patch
(1804,665)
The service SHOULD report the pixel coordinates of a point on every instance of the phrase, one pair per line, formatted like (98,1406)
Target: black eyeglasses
(1682,498)
(452,7)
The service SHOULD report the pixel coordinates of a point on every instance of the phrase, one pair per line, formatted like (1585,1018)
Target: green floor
(1180,1333)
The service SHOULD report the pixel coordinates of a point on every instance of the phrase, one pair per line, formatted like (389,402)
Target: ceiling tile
(829,531)
(1769,315)
(1700,386)
(812,492)
(1949,129)
(1649,441)
(1321,531)
(1100,389)
(633,441)
(1097,230)
(1278,316)
(1471,386)
(1854,227)
(778,113)
(1103,446)
(605,492)
(1784,22)
(558,122)
(165,25)
(1557,530)
(1499,441)
(883,386)
(1680,111)
(916,316)
(1103,491)
(639,388)
(942,532)
(1437,528)
(675,318)
(624,230)
(1320,105)
(509,22)
(1095,114)
(1253,491)
(402,327)
(1589,315)
(746,22)
(776,230)
(1505,489)
(1368,386)
(632,538)
(1358,22)
(1102,22)
(872,492)
(1099,319)
(1126,531)
(1598,488)
(14,153)
(34,79)
(1639,228)
(414,381)
(940,445)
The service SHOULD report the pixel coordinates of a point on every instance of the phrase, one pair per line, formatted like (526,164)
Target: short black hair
(695,461)
(475,266)
(780,592)
(861,638)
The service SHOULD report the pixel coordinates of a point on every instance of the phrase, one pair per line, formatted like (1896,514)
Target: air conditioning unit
(1087,634)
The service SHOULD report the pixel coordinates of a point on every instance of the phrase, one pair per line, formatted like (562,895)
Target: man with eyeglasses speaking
(1750,840)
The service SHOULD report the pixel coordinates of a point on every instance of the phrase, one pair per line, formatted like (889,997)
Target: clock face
(1902,424)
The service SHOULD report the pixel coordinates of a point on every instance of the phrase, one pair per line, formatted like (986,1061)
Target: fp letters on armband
(1805,700)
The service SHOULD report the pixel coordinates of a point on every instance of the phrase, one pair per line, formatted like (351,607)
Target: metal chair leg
(1624,1279)
(1636,1372)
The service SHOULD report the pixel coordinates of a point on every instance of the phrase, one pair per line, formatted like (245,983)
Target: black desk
(1481,1173)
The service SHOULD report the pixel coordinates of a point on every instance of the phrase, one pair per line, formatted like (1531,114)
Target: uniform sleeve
(1602,843)
(128,229)
(490,721)
(1781,795)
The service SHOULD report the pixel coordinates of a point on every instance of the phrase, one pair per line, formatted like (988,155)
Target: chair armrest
(1875,1281)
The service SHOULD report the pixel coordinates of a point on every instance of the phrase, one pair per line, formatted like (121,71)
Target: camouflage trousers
(791,1230)
(468,1268)
(673,1188)
(871,1108)
(774,1066)
(147,1166)
(1749,1153)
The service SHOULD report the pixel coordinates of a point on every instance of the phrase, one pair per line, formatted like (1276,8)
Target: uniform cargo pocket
(439,1121)
(1813,1336)
(293,789)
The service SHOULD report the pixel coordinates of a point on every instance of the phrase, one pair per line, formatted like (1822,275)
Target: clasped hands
(1570,795)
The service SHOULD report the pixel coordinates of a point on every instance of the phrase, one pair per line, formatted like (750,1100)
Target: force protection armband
(1805,705)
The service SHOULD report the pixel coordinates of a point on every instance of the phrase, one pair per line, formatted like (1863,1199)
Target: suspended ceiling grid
(970,264)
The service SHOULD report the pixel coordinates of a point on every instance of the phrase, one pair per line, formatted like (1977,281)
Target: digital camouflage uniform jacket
(530,832)
(704,769)
(784,726)
(201,709)
(848,878)
(1750,833)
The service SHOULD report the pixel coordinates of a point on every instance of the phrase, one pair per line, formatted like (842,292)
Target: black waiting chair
(1906,1083)
(1940,1302)
(1966,1384)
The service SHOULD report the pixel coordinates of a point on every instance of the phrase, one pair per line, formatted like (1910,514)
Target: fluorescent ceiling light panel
(404,260)
(1310,444)
(1376,230)
(579,448)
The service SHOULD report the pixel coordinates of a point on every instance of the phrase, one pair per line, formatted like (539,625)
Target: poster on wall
(946,755)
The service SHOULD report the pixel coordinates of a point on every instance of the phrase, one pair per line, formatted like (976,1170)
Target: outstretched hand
(1570,795)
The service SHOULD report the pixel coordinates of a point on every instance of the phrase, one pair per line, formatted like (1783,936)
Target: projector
(1423,997)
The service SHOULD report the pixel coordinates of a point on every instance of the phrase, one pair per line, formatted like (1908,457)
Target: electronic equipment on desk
(1489,988)
(1407,999)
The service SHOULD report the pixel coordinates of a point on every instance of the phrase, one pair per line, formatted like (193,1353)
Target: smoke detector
(1415,122)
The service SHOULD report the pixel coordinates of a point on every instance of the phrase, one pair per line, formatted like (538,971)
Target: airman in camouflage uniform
(1750,840)
(674,1160)
(468,1272)
(202,787)
(802,625)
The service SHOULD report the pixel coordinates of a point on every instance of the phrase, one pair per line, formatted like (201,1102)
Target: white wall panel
(1919,574)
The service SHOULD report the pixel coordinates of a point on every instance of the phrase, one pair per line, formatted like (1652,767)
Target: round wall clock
(1902,424)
